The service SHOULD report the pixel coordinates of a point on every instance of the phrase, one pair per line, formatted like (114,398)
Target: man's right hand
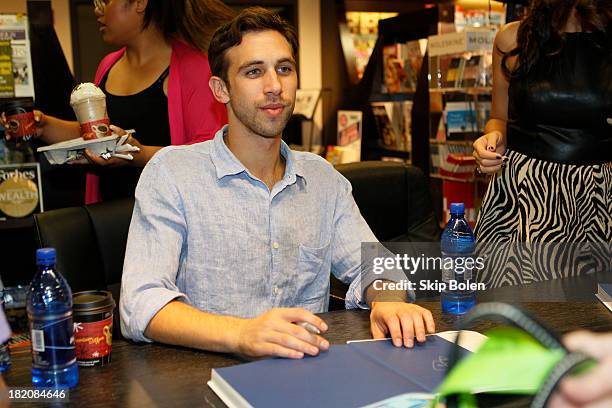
(275,333)
(39,118)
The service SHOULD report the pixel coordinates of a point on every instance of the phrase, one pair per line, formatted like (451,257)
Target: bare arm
(181,324)
(499,102)
(489,148)
(273,333)
(54,130)
(50,129)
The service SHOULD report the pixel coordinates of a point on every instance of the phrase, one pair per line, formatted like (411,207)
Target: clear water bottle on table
(49,306)
(458,244)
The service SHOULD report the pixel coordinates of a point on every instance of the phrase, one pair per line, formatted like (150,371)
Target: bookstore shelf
(470,91)
(392,97)
(460,74)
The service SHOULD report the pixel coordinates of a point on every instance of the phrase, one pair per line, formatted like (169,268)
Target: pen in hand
(311,328)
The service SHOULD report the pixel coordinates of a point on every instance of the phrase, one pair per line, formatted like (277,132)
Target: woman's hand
(489,152)
(39,119)
(95,159)
(140,158)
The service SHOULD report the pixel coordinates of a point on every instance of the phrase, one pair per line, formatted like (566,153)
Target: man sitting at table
(232,240)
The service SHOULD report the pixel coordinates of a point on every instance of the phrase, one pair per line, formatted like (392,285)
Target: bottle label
(94,340)
(458,268)
(52,341)
(38,340)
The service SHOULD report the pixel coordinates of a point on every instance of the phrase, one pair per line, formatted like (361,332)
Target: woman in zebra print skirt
(547,212)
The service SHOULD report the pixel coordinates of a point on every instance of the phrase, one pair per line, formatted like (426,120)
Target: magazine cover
(389,120)
(14,28)
(394,75)
(349,135)
(413,59)
(454,73)
(471,72)
(460,119)
(7,85)
(20,190)
(407,126)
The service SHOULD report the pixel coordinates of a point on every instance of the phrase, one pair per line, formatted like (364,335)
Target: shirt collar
(226,164)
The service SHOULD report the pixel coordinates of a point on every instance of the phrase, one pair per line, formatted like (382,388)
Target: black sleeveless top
(147,113)
(559,111)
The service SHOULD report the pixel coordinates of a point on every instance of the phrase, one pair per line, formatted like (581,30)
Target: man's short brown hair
(229,35)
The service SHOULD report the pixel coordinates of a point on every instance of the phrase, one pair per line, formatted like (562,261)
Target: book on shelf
(401,66)
(604,294)
(413,60)
(355,374)
(393,69)
(391,123)
(454,72)
(460,119)
(349,136)
(465,118)
(461,59)
(407,124)
(471,72)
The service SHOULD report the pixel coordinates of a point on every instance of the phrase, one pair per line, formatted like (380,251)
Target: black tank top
(147,113)
(559,111)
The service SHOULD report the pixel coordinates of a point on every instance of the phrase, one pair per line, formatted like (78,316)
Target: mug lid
(92,300)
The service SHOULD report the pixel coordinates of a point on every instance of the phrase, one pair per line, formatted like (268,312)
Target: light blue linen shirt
(206,231)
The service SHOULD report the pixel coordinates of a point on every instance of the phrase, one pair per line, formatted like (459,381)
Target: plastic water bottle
(457,244)
(49,305)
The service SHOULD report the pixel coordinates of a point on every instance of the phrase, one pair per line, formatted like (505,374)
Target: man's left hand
(401,321)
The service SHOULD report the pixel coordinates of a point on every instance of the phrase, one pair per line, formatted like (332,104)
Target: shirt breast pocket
(313,272)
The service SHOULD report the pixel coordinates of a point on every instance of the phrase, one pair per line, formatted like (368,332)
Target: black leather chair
(395,200)
(90,243)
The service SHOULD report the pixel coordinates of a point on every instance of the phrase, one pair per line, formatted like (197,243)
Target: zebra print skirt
(541,220)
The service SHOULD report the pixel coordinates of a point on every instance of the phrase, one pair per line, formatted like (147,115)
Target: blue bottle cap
(45,256)
(457,208)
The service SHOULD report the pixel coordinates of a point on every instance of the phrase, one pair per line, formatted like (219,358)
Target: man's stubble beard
(256,122)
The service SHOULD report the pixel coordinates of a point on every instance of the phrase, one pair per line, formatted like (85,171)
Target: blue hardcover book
(352,375)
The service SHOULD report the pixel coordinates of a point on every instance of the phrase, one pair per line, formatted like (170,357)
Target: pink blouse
(193,113)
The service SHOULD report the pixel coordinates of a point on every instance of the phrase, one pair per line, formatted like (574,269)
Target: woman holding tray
(157,84)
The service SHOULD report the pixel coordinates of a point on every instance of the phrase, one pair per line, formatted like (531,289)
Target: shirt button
(275,245)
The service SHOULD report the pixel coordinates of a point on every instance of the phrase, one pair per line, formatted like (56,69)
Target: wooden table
(154,375)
